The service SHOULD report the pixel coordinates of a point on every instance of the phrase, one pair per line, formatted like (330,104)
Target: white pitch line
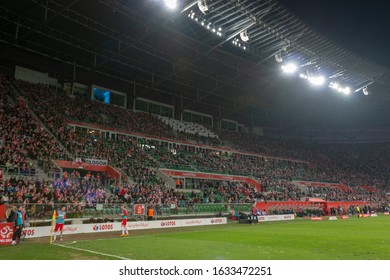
(90,251)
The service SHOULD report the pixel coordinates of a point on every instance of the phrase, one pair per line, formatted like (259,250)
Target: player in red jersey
(124,221)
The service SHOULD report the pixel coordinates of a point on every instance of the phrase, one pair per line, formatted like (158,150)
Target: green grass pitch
(363,239)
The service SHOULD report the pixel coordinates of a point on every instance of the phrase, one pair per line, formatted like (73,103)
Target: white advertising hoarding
(32,232)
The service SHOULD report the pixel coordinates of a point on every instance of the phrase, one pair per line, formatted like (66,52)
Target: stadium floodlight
(334,85)
(203,6)
(244,36)
(171,4)
(289,68)
(316,80)
(347,91)
(206,24)
(366,91)
(237,43)
(303,76)
(278,58)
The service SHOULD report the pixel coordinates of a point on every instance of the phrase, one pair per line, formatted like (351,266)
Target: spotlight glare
(317,80)
(289,68)
(335,86)
(214,30)
(220,29)
(171,4)
(303,76)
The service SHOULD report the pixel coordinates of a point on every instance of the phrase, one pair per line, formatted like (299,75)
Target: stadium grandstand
(197,108)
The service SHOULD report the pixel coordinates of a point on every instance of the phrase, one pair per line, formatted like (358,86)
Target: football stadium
(190,130)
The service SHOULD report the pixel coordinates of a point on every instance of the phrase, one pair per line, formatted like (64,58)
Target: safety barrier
(41,213)
(34,232)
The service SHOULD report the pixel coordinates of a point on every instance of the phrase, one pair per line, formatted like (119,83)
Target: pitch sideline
(90,251)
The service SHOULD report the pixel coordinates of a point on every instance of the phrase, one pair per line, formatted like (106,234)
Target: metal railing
(179,167)
(44,212)
(32,173)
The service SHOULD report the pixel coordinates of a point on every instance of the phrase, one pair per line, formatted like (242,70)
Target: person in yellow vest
(150,213)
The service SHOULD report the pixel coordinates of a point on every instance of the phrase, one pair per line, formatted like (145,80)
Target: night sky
(360,26)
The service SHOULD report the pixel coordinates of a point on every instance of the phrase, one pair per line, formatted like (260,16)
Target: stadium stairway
(68,154)
(171,183)
(41,174)
(124,176)
(301,187)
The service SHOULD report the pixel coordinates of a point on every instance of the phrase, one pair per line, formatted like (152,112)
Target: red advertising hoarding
(2,212)
(139,209)
(6,232)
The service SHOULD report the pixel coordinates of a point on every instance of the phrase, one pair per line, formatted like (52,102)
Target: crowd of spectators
(281,190)
(23,140)
(192,131)
(55,107)
(275,163)
(83,192)
(298,210)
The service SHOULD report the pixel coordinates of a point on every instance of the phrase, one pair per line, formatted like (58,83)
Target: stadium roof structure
(273,30)
(211,56)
